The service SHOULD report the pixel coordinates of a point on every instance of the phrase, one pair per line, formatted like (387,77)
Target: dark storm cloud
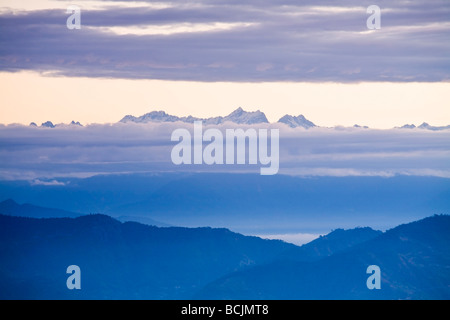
(282,41)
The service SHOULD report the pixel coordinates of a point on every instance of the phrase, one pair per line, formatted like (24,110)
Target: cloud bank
(219,40)
(33,153)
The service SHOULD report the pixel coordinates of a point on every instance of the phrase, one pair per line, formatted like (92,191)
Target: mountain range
(238,116)
(245,203)
(425,125)
(12,208)
(414,261)
(119,260)
(135,261)
(49,124)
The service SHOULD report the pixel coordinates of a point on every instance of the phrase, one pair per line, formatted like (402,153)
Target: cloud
(45,154)
(171,29)
(253,40)
(38,182)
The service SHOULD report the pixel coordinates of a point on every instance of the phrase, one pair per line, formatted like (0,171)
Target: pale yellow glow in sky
(28,5)
(29,96)
(172,28)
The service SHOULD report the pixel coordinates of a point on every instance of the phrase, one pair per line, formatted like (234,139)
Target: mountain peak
(294,122)
(425,126)
(153,116)
(48,124)
(408,126)
(240,116)
(76,123)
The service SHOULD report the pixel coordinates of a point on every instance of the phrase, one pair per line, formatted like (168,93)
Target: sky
(206,58)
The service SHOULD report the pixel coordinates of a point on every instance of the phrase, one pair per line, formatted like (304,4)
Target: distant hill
(414,260)
(336,241)
(134,261)
(245,203)
(298,202)
(119,260)
(12,208)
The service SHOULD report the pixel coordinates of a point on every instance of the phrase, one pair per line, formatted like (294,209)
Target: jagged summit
(75,123)
(294,122)
(241,116)
(154,116)
(48,124)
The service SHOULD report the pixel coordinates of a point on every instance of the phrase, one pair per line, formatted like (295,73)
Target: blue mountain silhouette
(414,260)
(12,208)
(135,261)
(119,260)
(245,203)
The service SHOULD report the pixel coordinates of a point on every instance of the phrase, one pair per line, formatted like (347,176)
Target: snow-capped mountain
(154,116)
(49,124)
(243,117)
(429,127)
(425,126)
(238,116)
(294,122)
(408,126)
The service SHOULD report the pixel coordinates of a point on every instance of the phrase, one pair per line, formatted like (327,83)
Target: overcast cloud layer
(42,154)
(227,40)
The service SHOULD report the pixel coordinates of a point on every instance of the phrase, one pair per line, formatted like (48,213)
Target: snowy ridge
(238,116)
